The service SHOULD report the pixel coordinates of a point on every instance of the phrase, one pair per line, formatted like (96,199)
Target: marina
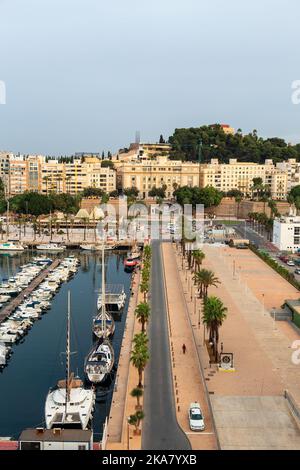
(36,363)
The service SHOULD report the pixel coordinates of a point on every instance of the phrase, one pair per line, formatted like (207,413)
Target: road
(160,427)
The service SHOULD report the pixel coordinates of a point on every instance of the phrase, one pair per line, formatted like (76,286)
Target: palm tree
(66,217)
(147,252)
(205,279)
(139,358)
(137,393)
(144,289)
(238,200)
(214,314)
(133,421)
(198,257)
(85,221)
(142,313)
(140,339)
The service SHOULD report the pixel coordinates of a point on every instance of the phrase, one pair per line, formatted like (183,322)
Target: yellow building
(74,177)
(240,175)
(24,174)
(158,172)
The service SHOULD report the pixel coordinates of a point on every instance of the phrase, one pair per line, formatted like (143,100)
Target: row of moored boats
(21,319)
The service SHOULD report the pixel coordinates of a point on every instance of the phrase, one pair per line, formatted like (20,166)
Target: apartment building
(74,177)
(146,174)
(141,151)
(24,173)
(240,175)
(286,233)
(292,168)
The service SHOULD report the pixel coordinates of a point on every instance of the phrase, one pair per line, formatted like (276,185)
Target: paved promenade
(249,408)
(120,435)
(189,384)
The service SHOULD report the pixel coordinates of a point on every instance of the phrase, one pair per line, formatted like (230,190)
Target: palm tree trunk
(140,385)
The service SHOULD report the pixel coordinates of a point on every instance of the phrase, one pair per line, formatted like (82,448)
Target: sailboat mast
(103,316)
(68,352)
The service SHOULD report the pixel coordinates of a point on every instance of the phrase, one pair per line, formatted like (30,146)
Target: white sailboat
(100,360)
(69,405)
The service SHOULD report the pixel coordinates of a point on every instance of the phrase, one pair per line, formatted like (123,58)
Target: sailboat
(100,360)
(103,328)
(69,404)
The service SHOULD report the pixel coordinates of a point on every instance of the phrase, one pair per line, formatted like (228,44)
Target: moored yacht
(100,360)
(51,247)
(69,404)
(11,246)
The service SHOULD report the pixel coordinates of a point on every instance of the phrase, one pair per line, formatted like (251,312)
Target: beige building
(74,177)
(240,175)
(146,174)
(24,174)
(140,151)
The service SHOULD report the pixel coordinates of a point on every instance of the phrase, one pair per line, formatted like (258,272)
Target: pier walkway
(14,303)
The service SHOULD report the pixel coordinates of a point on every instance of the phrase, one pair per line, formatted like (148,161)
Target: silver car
(196,419)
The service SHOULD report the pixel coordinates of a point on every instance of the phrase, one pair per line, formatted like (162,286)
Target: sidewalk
(120,434)
(187,379)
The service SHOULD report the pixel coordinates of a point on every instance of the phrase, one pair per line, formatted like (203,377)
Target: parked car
(196,418)
(290,262)
(297,271)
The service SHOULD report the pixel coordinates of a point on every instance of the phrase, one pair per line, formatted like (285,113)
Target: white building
(56,439)
(286,233)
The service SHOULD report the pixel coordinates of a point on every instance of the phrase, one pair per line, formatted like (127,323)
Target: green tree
(142,313)
(139,358)
(214,314)
(205,279)
(137,393)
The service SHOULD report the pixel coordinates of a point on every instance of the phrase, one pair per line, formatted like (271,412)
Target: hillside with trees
(217,144)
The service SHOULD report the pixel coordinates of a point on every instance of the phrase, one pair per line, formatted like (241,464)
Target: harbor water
(38,361)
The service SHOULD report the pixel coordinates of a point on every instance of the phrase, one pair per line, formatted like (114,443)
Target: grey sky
(84,75)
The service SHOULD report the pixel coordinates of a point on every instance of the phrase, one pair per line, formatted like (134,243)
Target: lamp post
(274,317)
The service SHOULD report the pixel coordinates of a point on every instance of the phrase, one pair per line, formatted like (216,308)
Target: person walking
(184,348)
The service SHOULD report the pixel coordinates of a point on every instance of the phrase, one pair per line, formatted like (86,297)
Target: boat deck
(9,309)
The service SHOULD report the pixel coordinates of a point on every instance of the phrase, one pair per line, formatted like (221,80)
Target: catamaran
(69,404)
(100,360)
(115,297)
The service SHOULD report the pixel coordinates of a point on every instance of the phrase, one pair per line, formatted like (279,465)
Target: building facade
(240,175)
(159,172)
(286,233)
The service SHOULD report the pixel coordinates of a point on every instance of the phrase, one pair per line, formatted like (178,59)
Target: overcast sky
(84,75)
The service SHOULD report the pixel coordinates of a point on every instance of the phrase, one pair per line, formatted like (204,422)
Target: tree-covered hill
(217,144)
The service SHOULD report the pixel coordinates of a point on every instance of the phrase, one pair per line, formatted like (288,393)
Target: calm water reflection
(37,363)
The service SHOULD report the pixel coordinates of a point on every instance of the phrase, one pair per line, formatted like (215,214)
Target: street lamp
(274,317)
